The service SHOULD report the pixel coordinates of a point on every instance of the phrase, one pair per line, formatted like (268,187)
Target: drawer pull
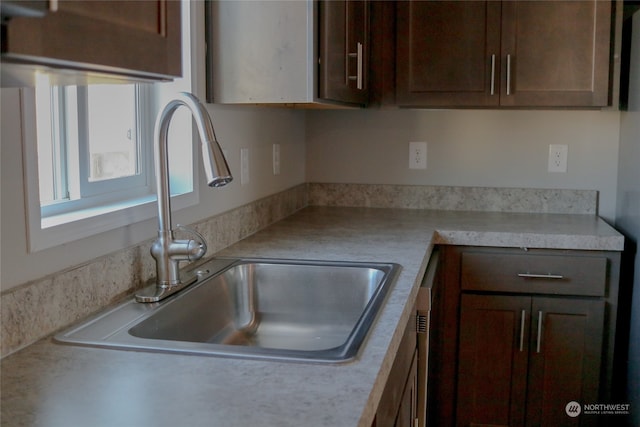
(541,276)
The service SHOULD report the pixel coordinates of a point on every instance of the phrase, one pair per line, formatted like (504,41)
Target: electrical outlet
(558,154)
(244,166)
(276,159)
(417,155)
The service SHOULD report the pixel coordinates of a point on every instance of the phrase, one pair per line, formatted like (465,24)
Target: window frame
(54,230)
(83,194)
(44,232)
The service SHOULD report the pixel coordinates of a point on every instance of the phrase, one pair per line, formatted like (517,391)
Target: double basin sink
(316,311)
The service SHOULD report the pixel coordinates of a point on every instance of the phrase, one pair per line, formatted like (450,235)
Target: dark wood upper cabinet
(445,51)
(133,38)
(556,53)
(302,54)
(344,51)
(510,53)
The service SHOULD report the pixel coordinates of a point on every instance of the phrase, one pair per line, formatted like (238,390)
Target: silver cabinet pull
(508,74)
(522,316)
(359,60)
(493,74)
(539,339)
(541,276)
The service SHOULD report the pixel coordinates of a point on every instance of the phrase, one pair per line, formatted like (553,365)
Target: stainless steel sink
(258,308)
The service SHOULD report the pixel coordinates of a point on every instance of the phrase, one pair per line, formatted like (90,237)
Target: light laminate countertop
(49,384)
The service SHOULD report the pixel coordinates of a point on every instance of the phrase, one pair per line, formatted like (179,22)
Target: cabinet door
(555,53)
(407,413)
(403,369)
(344,50)
(564,366)
(448,53)
(134,37)
(492,370)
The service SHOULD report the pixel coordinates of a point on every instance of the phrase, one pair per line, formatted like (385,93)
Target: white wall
(628,214)
(236,128)
(466,148)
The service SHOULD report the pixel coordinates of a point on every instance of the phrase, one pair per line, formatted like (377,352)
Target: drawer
(533,273)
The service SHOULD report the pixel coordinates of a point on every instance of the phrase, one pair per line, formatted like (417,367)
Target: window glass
(90,145)
(112,132)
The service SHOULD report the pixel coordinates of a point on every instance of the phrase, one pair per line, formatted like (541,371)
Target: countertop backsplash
(38,308)
(514,200)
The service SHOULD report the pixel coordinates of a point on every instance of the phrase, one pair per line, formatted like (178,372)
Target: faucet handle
(199,239)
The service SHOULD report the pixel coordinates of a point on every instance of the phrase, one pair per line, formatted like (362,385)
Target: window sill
(55,230)
(60,219)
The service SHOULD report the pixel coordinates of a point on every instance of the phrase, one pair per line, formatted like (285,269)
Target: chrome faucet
(166,250)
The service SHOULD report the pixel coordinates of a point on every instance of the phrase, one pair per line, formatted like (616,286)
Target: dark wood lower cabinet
(523,359)
(398,405)
(515,336)
(408,411)
(524,333)
(492,366)
(565,358)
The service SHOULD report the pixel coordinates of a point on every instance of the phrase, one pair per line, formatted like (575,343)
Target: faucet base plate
(156,292)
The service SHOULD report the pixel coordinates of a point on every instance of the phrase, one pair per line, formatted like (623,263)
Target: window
(90,145)
(88,155)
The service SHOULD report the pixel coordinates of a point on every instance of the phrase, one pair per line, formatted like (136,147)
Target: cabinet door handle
(539,338)
(508,74)
(359,61)
(522,316)
(541,276)
(493,74)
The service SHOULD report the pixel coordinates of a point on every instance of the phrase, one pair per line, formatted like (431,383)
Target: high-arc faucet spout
(167,251)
